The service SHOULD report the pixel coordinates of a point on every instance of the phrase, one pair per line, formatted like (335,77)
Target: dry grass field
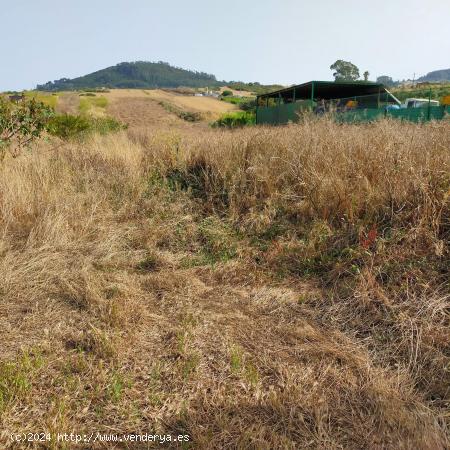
(191,103)
(264,288)
(148,109)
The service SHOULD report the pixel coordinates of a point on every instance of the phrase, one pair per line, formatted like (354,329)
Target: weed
(16,377)
(189,365)
(116,387)
(236,361)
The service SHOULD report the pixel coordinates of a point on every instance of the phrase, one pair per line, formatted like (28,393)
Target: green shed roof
(328,90)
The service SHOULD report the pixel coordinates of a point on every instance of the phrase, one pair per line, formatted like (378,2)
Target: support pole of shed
(429,105)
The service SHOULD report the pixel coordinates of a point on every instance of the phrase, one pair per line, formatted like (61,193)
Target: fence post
(429,105)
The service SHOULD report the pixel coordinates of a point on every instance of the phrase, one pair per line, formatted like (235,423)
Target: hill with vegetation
(436,75)
(140,74)
(438,91)
(149,75)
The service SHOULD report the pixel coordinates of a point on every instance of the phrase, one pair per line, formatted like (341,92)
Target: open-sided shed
(284,105)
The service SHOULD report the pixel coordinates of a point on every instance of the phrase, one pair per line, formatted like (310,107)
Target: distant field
(200,104)
(145,108)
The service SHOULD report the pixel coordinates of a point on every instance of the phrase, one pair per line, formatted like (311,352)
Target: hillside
(140,74)
(436,75)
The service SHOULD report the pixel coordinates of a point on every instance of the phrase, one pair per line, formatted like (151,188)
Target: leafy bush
(234,120)
(21,123)
(227,93)
(244,103)
(67,126)
(248,104)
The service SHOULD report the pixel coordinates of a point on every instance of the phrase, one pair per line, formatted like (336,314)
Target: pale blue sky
(282,41)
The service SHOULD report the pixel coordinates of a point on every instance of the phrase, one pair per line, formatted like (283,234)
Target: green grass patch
(218,244)
(235,120)
(84,106)
(16,377)
(86,103)
(236,100)
(47,99)
(99,102)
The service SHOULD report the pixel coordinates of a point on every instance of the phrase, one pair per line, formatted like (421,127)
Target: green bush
(244,103)
(67,126)
(227,93)
(21,123)
(235,120)
(248,104)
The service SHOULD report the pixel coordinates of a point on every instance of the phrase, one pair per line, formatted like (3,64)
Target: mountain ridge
(138,74)
(436,75)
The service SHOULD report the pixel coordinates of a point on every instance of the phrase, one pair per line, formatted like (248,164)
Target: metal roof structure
(327,90)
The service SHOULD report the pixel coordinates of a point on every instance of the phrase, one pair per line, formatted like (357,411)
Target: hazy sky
(282,41)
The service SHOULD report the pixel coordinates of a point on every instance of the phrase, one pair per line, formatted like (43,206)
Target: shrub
(248,104)
(227,93)
(67,126)
(21,123)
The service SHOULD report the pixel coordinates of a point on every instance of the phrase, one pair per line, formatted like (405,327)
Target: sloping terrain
(149,109)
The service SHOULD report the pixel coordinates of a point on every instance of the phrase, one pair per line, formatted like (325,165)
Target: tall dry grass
(263,288)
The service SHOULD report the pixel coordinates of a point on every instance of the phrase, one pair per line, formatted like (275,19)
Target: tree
(387,81)
(344,71)
(366,75)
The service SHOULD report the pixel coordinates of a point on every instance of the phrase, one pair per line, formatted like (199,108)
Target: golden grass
(229,285)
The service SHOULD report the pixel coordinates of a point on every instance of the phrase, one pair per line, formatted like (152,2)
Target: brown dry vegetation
(263,288)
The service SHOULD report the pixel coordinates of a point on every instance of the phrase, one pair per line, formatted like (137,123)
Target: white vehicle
(419,103)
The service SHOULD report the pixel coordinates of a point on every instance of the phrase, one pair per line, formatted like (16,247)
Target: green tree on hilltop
(344,71)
